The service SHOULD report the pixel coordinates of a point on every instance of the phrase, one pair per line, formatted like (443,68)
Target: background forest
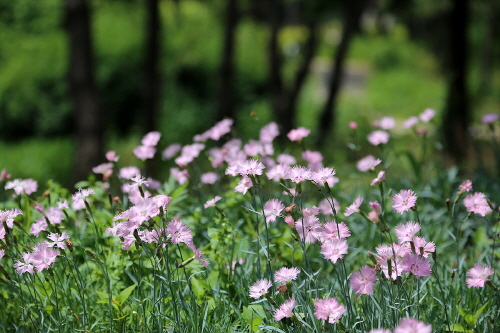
(80,76)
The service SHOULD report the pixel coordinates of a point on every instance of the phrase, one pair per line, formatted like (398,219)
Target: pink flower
(478,275)
(170,151)
(8,216)
(269,132)
(380,330)
(43,256)
(416,264)
(368,163)
(477,203)
(151,139)
(378,137)
(272,209)
(58,240)
(404,201)
(111,156)
(21,186)
(354,208)
(250,167)
(260,288)
(313,157)
(379,179)
(386,123)
(278,172)
(309,228)
(299,174)
(362,281)
(25,265)
(353,125)
(423,247)
(334,249)
(328,309)
(244,184)
(427,115)
(313,211)
(286,159)
(410,325)
(211,203)
(4,175)
(405,232)
(144,152)
(129,172)
(39,226)
(209,178)
(181,176)
(327,205)
(253,148)
(285,274)
(333,230)
(466,186)
(178,232)
(298,134)
(103,168)
(285,310)
(139,180)
(410,122)
(322,175)
(490,118)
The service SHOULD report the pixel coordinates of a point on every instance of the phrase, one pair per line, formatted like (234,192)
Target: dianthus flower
(285,310)
(21,186)
(278,172)
(368,163)
(171,151)
(328,309)
(209,178)
(404,201)
(298,174)
(410,122)
(405,232)
(211,203)
(181,176)
(327,205)
(285,274)
(128,172)
(178,233)
(8,216)
(58,240)
(354,208)
(378,137)
(79,198)
(490,118)
(286,159)
(362,281)
(243,185)
(151,139)
(478,275)
(380,330)
(416,264)
(269,132)
(260,288)
(322,175)
(43,256)
(272,209)
(379,179)
(427,115)
(298,134)
(466,186)
(309,228)
(386,123)
(144,152)
(111,156)
(334,249)
(423,247)
(250,168)
(477,203)
(25,265)
(333,230)
(411,325)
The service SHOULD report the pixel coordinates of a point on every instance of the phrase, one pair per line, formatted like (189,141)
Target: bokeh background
(79,77)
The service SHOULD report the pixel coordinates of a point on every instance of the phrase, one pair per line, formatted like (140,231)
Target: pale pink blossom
(334,249)
(181,176)
(269,132)
(111,156)
(211,203)
(253,148)
(43,256)
(379,179)
(313,157)
(178,233)
(286,159)
(405,232)
(410,122)
(353,125)
(404,201)
(21,186)
(423,247)
(171,151)
(327,205)
(4,175)
(465,186)
(25,265)
(250,167)
(79,198)
(128,172)
(260,288)
(58,240)
(309,228)
(427,115)
(386,123)
(39,226)
(416,264)
(272,209)
(478,275)
(9,215)
(298,134)
(368,163)
(322,175)
(333,230)
(312,211)
(103,168)
(151,139)
(410,325)
(299,174)
(378,137)
(285,274)
(362,281)
(144,152)
(209,178)
(380,330)
(490,118)
(477,203)
(354,207)
(328,309)
(244,184)
(285,310)
(278,172)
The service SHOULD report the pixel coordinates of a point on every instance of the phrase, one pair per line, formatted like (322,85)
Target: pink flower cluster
(42,256)
(407,325)
(22,186)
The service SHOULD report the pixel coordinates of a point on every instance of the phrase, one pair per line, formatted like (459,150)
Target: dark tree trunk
(456,114)
(151,84)
(89,129)
(352,15)
(226,94)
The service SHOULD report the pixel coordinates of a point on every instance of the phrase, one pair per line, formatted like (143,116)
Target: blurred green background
(397,64)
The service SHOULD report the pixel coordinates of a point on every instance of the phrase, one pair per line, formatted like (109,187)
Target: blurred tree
(352,14)
(226,98)
(457,114)
(284,96)
(88,121)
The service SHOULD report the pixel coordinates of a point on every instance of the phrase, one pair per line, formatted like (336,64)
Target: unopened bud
(290,208)
(282,288)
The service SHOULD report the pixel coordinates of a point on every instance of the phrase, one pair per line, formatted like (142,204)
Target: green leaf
(253,315)
(102,295)
(199,287)
(122,297)
(480,310)
(459,328)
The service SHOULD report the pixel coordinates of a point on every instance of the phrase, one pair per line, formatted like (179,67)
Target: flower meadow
(257,235)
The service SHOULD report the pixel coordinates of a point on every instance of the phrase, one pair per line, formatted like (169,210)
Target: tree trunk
(352,15)
(456,114)
(226,96)
(89,124)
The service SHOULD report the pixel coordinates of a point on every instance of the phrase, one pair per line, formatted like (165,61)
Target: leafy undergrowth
(242,237)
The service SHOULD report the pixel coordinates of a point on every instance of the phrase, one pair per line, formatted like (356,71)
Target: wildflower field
(257,235)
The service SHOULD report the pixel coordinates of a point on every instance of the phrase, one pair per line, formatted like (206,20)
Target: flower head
(404,201)
(405,232)
(477,203)
(179,233)
(411,325)
(354,208)
(272,209)
(378,137)
(362,281)
(466,186)
(334,249)
(209,178)
(211,203)
(368,163)
(478,275)
(298,134)
(328,309)
(250,167)
(260,288)
(298,174)
(285,310)
(416,264)
(490,118)
(427,115)
(151,139)
(285,274)
(269,132)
